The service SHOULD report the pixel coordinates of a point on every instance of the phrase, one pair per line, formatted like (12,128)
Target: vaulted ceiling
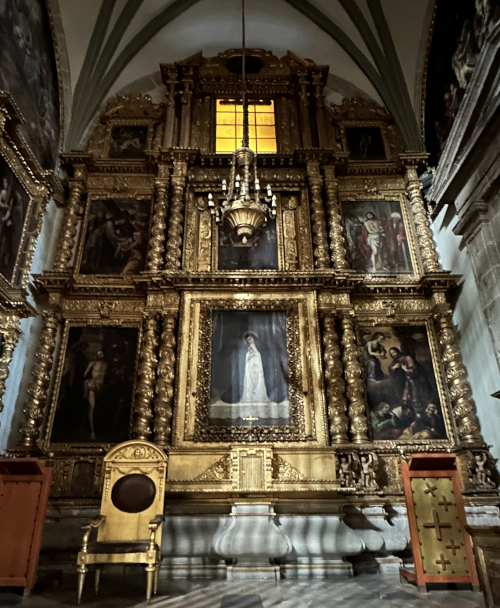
(375,48)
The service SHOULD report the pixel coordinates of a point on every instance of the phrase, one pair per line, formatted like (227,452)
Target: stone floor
(364,591)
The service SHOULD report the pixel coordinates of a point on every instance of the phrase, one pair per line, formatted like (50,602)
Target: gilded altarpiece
(290,316)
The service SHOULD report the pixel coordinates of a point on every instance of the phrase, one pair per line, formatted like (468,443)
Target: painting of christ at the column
(376,237)
(249,377)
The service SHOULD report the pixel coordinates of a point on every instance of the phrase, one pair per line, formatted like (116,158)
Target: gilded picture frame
(19,167)
(116,123)
(98,196)
(367,125)
(374,324)
(192,424)
(64,368)
(371,201)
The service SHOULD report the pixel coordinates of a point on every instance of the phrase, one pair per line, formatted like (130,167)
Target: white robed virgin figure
(254,384)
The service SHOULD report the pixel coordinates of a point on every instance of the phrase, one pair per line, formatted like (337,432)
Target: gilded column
(70,222)
(424,233)
(172,81)
(157,241)
(10,332)
(305,121)
(355,388)
(464,408)
(186,97)
(320,239)
(335,385)
(175,228)
(336,232)
(38,388)
(165,384)
(143,406)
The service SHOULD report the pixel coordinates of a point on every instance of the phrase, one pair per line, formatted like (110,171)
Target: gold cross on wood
(453,547)
(443,562)
(444,503)
(250,419)
(437,525)
(430,490)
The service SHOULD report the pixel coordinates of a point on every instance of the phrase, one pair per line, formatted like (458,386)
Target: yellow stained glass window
(229,126)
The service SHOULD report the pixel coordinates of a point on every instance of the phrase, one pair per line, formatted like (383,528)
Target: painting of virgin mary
(249,368)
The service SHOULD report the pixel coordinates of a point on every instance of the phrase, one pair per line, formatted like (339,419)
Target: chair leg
(97,578)
(150,573)
(157,576)
(82,571)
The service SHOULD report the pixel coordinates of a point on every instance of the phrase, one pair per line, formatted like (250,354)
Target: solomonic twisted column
(165,384)
(336,232)
(70,222)
(464,408)
(143,406)
(37,390)
(320,239)
(174,240)
(157,240)
(424,233)
(335,385)
(355,389)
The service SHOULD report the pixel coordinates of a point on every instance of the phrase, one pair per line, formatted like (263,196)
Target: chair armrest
(153,527)
(95,523)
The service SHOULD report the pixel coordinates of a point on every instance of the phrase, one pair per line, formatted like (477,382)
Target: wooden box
(442,549)
(24,490)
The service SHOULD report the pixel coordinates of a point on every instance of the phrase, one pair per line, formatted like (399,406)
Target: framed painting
(365,143)
(259,253)
(14,204)
(128,142)
(251,372)
(95,385)
(377,237)
(404,391)
(116,236)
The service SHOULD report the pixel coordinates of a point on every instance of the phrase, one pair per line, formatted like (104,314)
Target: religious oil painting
(96,385)
(28,72)
(128,142)
(376,237)
(249,375)
(401,387)
(365,143)
(116,237)
(259,253)
(13,208)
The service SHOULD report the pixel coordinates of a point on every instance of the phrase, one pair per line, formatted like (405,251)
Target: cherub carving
(481,476)
(369,466)
(345,471)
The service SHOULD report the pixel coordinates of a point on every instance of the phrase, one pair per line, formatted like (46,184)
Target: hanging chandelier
(244,210)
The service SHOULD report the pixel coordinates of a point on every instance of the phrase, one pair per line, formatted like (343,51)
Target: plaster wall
(24,353)
(468,316)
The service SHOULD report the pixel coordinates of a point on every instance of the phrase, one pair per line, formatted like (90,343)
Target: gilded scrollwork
(146,375)
(290,239)
(334,383)
(34,407)
(157,240)
(220,470)
(464,408)
(320,239)
(165,383)
(355,388)
(175,225)
(284,471)
(336,232)
(424,234)
(205,241)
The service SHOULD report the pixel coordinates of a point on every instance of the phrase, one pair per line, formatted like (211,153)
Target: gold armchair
(129,526)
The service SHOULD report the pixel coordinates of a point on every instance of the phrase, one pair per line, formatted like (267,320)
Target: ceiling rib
(96,78)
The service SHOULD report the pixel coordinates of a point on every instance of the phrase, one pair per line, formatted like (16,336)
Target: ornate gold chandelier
(242,210)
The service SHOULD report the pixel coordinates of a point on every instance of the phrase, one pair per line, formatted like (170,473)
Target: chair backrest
(134,491)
